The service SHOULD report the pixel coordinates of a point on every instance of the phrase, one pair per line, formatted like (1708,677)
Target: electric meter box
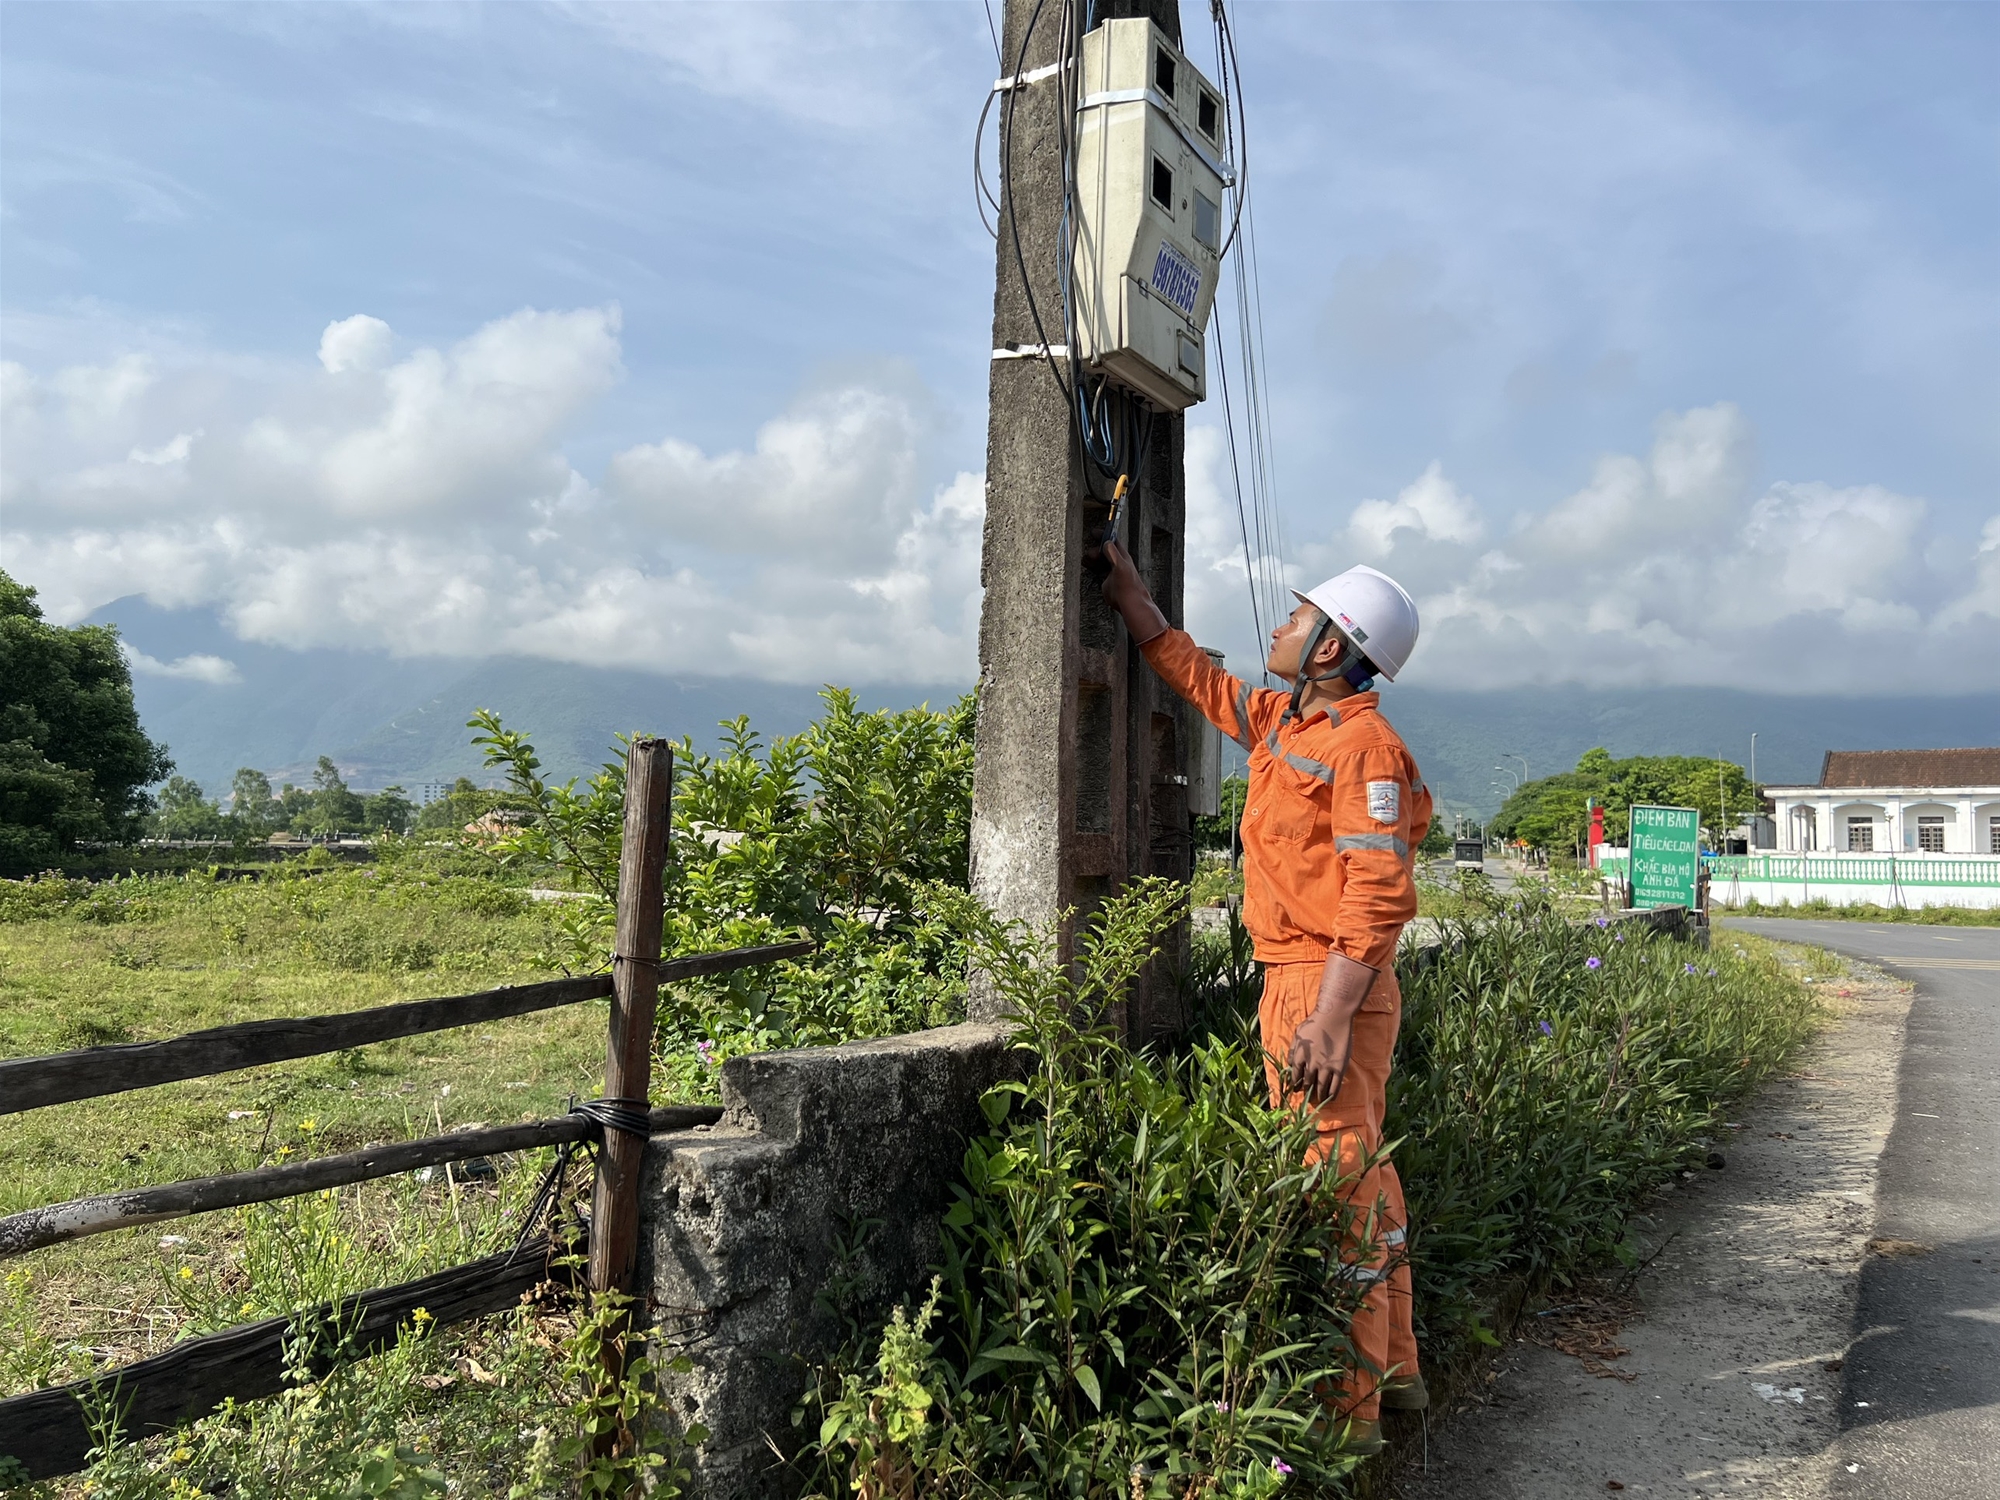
(1150,170)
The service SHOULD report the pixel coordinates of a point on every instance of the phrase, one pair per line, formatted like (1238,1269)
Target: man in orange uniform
(1334,810)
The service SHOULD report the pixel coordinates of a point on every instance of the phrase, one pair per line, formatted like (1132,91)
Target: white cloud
(173,452)
(1432,508)
(1668,567)
(834,478)
(199,667)
(425,505)
(356,343)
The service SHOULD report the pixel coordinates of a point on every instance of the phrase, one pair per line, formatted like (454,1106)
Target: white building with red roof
(1894,802)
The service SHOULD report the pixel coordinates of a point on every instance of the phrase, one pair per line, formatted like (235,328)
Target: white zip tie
(1033,75)
(1032,351)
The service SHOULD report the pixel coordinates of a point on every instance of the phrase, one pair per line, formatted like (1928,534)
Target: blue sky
(1647,343)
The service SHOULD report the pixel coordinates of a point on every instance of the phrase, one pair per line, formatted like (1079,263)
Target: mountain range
(401,720)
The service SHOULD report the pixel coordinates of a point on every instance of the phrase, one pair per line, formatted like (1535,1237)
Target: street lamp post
(1509,771)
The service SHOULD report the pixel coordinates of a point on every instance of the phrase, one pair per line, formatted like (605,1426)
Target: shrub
(1134,1295)
(1550,1075)
(838,833)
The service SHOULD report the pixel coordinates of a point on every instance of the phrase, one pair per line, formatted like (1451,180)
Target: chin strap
(1352,666)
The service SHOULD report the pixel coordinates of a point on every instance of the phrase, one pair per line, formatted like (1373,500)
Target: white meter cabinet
(1150,170)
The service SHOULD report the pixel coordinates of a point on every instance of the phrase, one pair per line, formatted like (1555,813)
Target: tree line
(1553,812)
(328,808)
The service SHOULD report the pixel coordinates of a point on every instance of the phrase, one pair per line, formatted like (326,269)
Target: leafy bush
(1550,1075)
(837,833)
(1135,1294)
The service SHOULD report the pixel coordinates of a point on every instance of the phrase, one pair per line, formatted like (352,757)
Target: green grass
(142,959)
(1826,911)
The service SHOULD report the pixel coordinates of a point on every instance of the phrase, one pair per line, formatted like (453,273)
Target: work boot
(1405,1393)
(1363,1437)
(1353,1434)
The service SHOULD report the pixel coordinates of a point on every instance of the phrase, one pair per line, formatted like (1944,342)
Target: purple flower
(1711,973)
(1222,1406)
(1593,962)
(1281,1466)
(707,1050)
(1547,1029)
(1688,967)
(1617,937)
(1604,921)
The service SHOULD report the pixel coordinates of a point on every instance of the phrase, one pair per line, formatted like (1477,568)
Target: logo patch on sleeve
(1385,801)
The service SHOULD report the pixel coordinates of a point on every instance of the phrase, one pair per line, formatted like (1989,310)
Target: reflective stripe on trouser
(1350,1130)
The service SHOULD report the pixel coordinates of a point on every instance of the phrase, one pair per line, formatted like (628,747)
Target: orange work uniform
(1334,809)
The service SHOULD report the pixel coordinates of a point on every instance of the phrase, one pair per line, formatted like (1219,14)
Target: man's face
(1290,638)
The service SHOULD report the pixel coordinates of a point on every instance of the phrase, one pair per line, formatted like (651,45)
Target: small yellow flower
(283,1152)
(421,1315)
(246,1309)
(307,1127)
(187,1273)
(182,1455)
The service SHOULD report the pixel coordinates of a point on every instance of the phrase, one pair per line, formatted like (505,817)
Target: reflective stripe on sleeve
(1242,735)
(1389,841)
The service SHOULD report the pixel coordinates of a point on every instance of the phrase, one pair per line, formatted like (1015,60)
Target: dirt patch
(1716,1371)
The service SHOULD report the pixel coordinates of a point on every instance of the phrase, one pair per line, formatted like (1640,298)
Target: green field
(145,959)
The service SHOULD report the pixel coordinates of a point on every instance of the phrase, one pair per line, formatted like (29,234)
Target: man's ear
(1330,649)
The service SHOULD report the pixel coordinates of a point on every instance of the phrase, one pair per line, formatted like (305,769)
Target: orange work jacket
(1335,809)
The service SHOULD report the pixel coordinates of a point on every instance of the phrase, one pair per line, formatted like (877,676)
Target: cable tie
(1032,351)
(1033,75)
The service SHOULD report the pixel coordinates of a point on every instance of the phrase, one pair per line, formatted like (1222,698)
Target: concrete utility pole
(1080,781)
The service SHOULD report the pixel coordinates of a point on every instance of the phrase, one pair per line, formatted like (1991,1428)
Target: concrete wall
(740,1223)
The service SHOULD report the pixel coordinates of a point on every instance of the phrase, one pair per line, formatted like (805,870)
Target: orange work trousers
(1350,1134)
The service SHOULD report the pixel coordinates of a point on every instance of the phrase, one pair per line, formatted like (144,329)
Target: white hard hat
(1374,611)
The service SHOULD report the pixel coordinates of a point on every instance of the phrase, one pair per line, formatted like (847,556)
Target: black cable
(632,1116)
(982,194)
(1013,218)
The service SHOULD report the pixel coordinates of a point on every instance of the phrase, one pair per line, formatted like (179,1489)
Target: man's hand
(1320,1046)
(1126,592)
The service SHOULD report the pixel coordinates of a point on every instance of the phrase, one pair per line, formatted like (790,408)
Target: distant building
(1894,802)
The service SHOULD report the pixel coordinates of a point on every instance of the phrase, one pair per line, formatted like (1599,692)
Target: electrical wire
(1258,523)
(1007,189)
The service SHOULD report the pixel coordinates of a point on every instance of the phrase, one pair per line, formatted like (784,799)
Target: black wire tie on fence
(633,1116)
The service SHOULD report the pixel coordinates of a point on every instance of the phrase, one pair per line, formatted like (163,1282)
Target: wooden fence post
(614,1216)
(628,1061)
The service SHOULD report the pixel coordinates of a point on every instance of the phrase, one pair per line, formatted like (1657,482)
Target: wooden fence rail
(35,1228)
(35,1082)
(49,1432)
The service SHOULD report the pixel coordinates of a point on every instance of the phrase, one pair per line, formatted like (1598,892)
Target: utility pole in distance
(1080,780)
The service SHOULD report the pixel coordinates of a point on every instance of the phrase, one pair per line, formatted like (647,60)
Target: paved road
(1920,1405)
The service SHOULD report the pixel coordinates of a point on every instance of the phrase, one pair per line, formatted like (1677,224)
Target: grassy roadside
(1826,911)
(1526,1147)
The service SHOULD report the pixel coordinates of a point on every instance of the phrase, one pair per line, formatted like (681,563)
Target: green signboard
(1666,853)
